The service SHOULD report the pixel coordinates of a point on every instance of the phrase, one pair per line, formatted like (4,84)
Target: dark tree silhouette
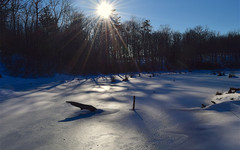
(43,37)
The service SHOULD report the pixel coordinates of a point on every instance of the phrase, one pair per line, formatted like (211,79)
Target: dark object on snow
(214,73)
(113,79)
(203,106)
(82,106)
(218,93)
(232,76)
(134,98)
(233,90)
(213,102)
(126,78)
(221,73)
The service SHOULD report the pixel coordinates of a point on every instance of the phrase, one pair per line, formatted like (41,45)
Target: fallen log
(213,102)
(82,106)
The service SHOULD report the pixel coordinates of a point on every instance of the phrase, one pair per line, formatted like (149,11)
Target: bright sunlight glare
(104,10)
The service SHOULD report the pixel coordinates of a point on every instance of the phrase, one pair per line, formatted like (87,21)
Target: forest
(40,37)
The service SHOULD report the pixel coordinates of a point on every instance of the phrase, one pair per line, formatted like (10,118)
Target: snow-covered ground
(168,115)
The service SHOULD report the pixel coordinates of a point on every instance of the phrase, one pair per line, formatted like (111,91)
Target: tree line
(40,37)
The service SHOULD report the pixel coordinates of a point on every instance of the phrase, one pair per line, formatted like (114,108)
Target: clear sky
(219,15)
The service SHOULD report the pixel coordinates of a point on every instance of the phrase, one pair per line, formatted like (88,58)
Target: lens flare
(104,10)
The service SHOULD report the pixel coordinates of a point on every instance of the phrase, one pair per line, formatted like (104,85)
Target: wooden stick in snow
(134,102)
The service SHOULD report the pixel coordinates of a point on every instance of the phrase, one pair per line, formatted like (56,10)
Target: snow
(168,115)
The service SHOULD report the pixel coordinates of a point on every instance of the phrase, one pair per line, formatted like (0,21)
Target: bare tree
(14,14)
(26,16)
(3,13)
(37,9)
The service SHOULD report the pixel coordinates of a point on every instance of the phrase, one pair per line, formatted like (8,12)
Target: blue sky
(219,15)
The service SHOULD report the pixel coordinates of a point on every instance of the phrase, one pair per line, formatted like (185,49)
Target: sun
(104,10)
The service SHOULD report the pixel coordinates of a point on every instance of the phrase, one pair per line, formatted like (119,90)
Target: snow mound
(227,97)
(225,102)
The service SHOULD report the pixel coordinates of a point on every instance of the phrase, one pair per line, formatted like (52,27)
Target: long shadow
(95,80)
(116,82)
(88,114)
(138,114)
(70,90)
(213,81)
(112,99)
(223,107)
(46,87)
(39,89)
(82,115)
